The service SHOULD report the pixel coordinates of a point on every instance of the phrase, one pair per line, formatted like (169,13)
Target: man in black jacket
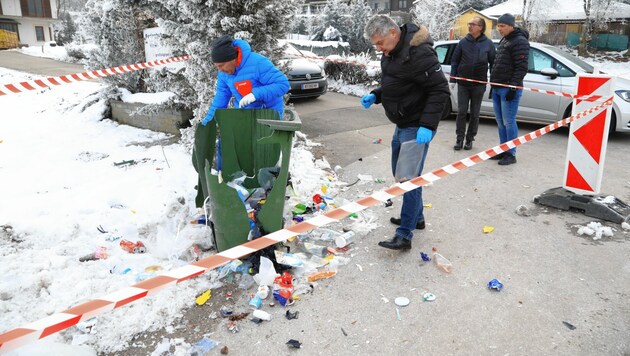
(413,93)
(510,67)
(470,60)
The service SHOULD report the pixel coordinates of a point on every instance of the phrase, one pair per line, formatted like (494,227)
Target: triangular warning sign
(588,85)
(591,135)
(575,179)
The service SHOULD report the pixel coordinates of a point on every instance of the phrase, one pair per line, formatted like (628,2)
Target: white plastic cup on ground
(262,315)
(345,239)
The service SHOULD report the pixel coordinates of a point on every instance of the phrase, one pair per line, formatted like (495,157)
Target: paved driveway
(37,65)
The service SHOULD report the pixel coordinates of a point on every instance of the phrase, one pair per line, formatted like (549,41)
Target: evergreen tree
(190,27)
(66,29)
(361,13)
(116,28)
(334,16)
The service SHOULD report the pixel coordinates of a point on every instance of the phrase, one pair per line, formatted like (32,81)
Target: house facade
(460,26)
(32,20)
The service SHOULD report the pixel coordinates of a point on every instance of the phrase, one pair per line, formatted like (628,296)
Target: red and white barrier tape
(39,84)
(61,321)
(71,78)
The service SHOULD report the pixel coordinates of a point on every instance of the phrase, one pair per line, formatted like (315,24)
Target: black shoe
(420,225)
(498,157)
(396,243)
(507,159)
(468,145)
(458,145)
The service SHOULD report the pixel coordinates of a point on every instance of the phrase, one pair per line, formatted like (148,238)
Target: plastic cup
(345,239)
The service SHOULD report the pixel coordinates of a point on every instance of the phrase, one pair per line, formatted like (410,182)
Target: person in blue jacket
(247,76)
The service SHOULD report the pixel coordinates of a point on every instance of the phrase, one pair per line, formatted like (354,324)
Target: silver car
(549,69)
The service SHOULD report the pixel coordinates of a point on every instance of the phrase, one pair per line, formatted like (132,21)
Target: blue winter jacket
(253,74)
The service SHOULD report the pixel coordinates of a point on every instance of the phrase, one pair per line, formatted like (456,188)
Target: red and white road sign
(588,137)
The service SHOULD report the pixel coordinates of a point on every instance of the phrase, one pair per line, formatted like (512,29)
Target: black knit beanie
(222,50)
(507,19)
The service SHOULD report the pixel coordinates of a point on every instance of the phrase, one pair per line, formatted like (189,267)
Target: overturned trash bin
(242,157)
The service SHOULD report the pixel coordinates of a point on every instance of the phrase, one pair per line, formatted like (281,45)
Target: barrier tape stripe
(12,89)
(61,321)
(39,84)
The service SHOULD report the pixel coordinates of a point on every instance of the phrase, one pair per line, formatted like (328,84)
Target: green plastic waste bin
(250,140)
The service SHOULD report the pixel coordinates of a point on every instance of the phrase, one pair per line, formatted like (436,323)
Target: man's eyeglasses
(473,24)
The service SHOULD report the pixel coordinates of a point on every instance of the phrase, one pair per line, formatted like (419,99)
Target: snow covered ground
(66,173)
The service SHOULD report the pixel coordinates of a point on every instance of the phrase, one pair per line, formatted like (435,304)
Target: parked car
(550,68)
(307,78)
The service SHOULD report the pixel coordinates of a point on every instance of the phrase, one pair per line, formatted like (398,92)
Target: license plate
(310,86)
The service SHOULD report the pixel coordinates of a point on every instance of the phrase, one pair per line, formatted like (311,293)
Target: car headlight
(323,73)
(623,94)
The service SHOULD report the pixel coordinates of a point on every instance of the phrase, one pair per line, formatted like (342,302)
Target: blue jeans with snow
(505,112)
(411,211)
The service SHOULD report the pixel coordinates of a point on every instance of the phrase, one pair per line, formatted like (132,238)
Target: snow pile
(596,230)
(46,51)
(75,185)
(145,98)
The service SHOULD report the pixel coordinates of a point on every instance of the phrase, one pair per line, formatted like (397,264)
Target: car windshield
(580,63)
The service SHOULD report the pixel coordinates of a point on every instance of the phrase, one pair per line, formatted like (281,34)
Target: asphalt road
(36,65)
(552,276)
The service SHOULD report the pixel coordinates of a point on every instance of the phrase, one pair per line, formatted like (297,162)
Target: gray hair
(379,25)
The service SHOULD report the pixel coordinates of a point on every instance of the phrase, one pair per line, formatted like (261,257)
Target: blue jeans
(411,211)
(505,112)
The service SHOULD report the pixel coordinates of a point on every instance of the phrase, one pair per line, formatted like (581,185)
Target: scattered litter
(256,320)
(522,210)
(345,239)
(283,288)
(377,140)
(201,347)
(87,326)
(262,315)
(255,301)
(385,300)
(443,263)
(596,230)
(359,267)
(428,297)
(401,301)
(428,206)
(488,229)
(232,326)
(263,291)
(291,316)
(99,254)
(425,257)
(389,203)
(238,317)
(225,311)
(224,350)
(153,268)
(294,344)
(365,177)
(131,247)
(495,284)
(163,347)
(344,332)
(569,325)
(625,226)
(398,314)
(204,297)
(320,275)
(130,162)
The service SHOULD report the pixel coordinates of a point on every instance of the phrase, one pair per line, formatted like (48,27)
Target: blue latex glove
(208,117)
(424,135)
(368,100)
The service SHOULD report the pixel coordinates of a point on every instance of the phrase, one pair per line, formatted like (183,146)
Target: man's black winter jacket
(510,64)
(472,59)
(413,87)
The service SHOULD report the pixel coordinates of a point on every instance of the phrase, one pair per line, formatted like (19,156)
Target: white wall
(11,7)
(27,30)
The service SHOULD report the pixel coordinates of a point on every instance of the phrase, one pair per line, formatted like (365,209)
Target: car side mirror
(549,72)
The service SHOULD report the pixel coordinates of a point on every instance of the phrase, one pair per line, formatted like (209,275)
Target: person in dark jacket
(510,67)
(247,76)
(413,92)
(472,56)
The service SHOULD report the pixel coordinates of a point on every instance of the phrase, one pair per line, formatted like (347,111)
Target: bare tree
(598,14)
(436,15)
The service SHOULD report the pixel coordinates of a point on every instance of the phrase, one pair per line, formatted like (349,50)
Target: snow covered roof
(557,9)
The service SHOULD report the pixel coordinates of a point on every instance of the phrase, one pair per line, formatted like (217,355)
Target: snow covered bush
(352,72)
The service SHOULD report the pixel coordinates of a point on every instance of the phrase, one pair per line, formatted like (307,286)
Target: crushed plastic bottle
(443,263)
(202,347)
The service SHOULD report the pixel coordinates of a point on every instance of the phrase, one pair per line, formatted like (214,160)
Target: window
(539,60)
(12,27)
(35,8)
(402,4)
(375,6)
(444,53)
(387,5)
(39,32)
